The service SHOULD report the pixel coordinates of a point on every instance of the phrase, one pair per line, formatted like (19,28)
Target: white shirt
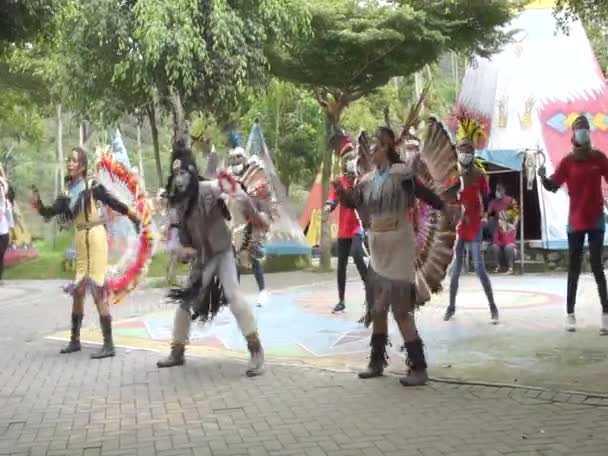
(6,218)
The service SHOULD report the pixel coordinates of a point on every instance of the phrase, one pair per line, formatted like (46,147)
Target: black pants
(576,242)
(346,248)
(3,247)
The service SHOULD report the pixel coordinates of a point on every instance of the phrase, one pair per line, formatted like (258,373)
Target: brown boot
(256,362)
(377,359)
(416,374)
(175,358)
(107,350)
(74,344)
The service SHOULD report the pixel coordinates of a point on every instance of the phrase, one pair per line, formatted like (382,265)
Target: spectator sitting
(504,211)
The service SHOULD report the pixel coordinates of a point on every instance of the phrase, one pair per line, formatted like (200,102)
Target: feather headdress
(470,129)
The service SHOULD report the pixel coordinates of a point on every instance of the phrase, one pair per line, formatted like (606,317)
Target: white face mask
(465,159)
(500,194)
(237,169)
(351,167)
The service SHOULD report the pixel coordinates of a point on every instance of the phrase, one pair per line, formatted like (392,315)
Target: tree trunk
(59,173)
(151,111)
(60,160)
(179,119)
(331,125)
(140,159)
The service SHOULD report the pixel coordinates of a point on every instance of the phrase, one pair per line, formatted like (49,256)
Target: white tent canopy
(527,96)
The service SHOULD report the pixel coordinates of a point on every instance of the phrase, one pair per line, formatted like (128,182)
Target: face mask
(500,194)
(465,159)
(237,169)
(351,167)
(582,137)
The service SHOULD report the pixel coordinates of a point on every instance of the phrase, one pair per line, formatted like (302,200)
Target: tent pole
(521,219)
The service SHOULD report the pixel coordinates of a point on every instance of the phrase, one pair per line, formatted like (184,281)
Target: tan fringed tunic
(384,200)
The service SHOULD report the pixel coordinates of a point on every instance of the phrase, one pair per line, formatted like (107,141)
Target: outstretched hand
(542,172)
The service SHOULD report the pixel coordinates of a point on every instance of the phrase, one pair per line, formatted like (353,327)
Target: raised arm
(348,197)
(61,206)
(100,194)
(554,182)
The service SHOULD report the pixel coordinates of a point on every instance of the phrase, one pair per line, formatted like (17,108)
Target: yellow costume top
(79,206)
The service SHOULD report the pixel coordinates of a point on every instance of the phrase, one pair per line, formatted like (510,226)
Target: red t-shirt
(584,181)
(471,200)
(348,222)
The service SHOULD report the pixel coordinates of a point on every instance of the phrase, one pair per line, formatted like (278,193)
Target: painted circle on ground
(476,299)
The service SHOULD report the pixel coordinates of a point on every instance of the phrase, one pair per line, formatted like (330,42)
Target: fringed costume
(385,198)
(202,219)
(250,235)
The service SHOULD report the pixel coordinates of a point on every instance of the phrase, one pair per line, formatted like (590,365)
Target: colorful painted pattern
(563,122)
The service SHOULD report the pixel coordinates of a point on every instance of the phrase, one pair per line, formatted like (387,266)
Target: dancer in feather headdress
(201,216)
(250,173)
(384,198)
(473,198)
(80,207)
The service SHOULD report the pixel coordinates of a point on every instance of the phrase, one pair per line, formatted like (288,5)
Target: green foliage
(49,263)
(293,128)
(590,11)
(357,47)
(22,20)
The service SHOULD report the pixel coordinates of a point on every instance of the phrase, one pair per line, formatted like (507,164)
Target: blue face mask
(582,137)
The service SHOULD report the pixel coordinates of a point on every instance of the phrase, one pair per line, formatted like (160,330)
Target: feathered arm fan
(437,168)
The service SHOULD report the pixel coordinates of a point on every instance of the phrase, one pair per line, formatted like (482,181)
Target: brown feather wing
(437,167)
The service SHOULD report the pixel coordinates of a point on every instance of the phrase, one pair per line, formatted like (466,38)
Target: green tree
(357,47)
(588,10)
(22,20)
(293,128)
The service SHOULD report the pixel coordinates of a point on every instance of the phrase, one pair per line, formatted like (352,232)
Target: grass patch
(49,263)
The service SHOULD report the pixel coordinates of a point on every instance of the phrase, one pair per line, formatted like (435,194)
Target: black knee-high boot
(107,349)
(416,364)
(74,344)
(377,360)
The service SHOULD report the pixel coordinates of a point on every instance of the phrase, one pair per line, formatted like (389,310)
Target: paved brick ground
(70,405)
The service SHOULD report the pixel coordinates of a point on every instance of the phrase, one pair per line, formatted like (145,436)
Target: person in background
(6,220)
(350,233)
(503,210)
(474,189)
(582,170)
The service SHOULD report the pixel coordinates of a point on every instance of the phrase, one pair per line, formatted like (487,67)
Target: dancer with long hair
(79,207)
(201,218)
(384,197)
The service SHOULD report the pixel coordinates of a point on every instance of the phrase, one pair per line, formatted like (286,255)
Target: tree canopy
(357,47)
